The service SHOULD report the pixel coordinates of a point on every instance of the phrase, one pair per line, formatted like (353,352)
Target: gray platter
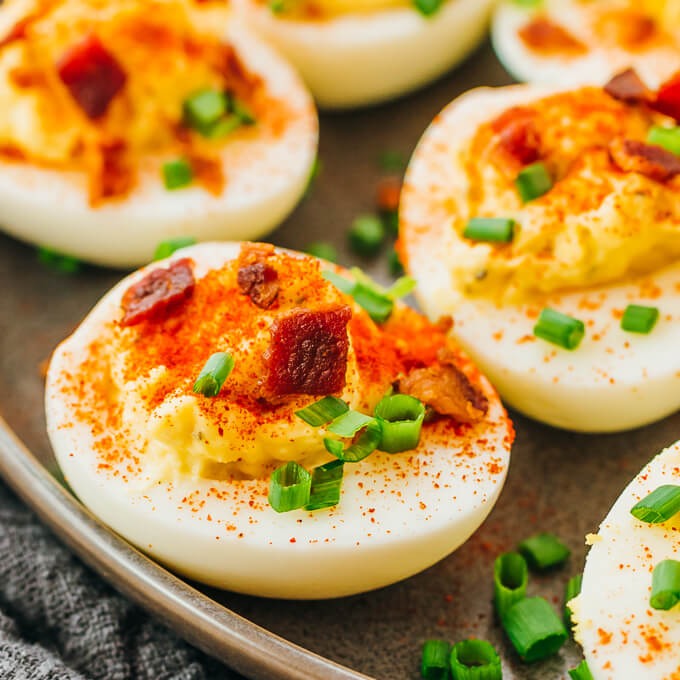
(558,481)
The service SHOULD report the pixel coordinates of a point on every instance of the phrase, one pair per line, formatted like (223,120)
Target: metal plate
(558,481)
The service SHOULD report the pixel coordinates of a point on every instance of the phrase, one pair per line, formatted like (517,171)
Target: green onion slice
(533,181)
(222,127)
(559,329)
(289,487)
(475,660)
(323,411)
(348,424)
(581,672)
(639,319)
(401,287)
(67,264)
(340,282)
(659,506)
(366,235)
(401,419)
(204,108)
(392,161)
(544,551)
(427,7)
(510,575)
(665,585)
(214,373)
(435,663)
(571,590)
(326,485)
(177,174)
(364,446)
(378,306)
(323,250)
(171,245)
(666,137)
(534,629)
(394,263)
(494,229)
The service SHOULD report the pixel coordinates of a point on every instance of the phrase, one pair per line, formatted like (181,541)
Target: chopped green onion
(392,161)
(326,484)
(365,445)
(581,672)
(340,282)
(533,181)
(378,306)
(571,590)
(401,287)
(534,629)
(367,235)
(323,250)
(666,137)
(391,222)
(475,660)
(276,6)
(495,229)
(394,263)
(639,319)
(544,551)
(348,424)
(559,329)
(289,487)
(323,411)
(401,419)
(528,4)
(204,108)
(168,247)
(67,264)
(435,664)
(214,373)
(223,127)
(177,174)
(510,575)
(427,7)
(659,506)
(665,585)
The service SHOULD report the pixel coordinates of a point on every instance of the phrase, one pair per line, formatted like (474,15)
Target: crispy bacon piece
(517,135)
(388,194)
(256,278)
(158,293)
(545,37)
(114,176)
(668,98)
(628,87)
(92,76)
(308,352)
(446,389)
(631,155)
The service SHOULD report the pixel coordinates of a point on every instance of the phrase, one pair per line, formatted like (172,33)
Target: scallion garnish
(214,373)
(378,306)
(366,235)
(493,229)
(323,250)
(659,506)
(665,585)
(289,487)
(475,660)
(510,575)
(394,263)
(639,319)
(559,329)
(666,137)
(326,485)
(322,411)
(223,127)
(177,174)
(534,629)
(340,282)
(348,424)
(401,418)
(204,108)
(581,672)
(392,161)
(533,181)
(171,245)
(544,551)
(365,445)
(571,590)
(427,7)
(435,663)
(66,264)
(401,287)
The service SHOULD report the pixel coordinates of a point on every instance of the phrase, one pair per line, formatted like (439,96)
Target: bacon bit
(655,162)
(257,279)
(543,36)
(388,194)
(446,389)
(668,98)
(308,352)
(444,323)
(92,76)
(114,176)
(628,87)
(518,138)
(158,293)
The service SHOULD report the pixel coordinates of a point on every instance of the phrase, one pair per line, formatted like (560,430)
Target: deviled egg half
(126,123)
(627,617)
(359,52)
(236,415)
(574,42)
(547,223)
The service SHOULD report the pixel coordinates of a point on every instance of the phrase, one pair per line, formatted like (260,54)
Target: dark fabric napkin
(59,620)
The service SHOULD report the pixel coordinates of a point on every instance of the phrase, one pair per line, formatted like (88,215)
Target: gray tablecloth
(60,620)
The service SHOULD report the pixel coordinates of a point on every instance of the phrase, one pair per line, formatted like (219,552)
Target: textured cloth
(60,620)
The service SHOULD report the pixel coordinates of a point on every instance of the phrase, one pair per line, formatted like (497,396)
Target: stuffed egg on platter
(126,123)
(546,223)
(259,422)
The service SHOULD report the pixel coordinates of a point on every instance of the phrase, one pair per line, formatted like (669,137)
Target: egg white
(616,626)
(398,514)
(265,178)
(359,59)
(595,67)
(615,380)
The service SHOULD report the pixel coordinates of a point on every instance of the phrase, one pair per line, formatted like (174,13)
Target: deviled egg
(126,123)
(237,413)
(546,222)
